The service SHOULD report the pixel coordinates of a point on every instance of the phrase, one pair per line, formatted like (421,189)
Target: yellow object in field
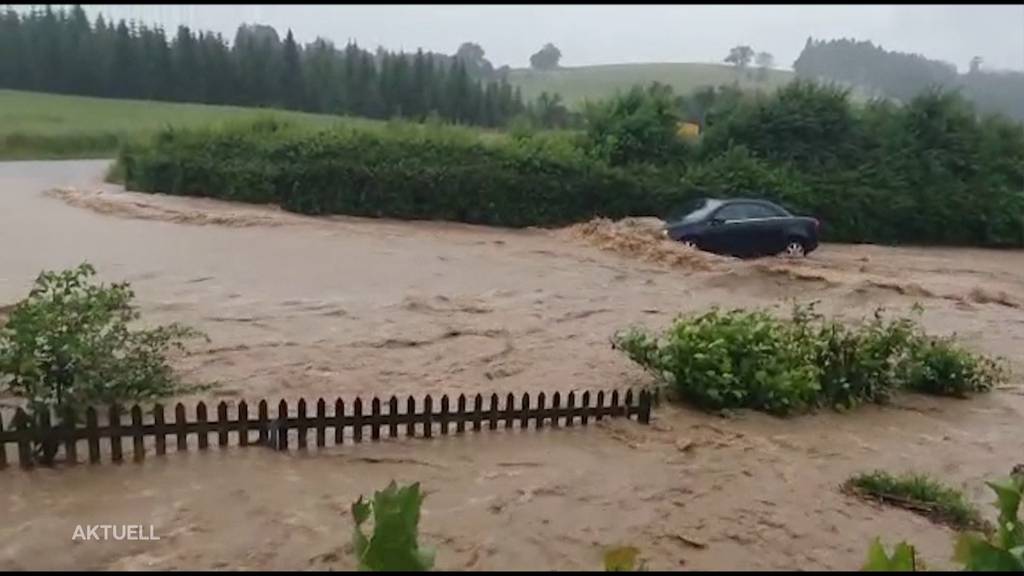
(688,130)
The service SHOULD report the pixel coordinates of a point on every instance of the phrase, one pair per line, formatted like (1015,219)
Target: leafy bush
(920,494)
(1000,552)
(751,359)
(639,126)
(393,545)
(68,345)
(941,367)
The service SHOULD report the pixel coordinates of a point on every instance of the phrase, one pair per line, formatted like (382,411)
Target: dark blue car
(744,228)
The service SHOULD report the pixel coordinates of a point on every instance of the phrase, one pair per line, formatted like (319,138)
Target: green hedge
(541,181)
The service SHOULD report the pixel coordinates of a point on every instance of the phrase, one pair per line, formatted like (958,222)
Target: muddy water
(304,307)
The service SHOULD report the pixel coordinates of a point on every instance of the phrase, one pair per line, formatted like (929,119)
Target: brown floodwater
(303,307)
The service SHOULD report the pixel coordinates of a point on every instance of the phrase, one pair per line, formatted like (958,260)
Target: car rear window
(701,212)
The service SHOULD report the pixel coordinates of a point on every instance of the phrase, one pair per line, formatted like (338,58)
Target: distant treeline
(60,51)
(902,76)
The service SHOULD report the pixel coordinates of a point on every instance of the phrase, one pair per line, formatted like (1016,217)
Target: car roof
(751,200)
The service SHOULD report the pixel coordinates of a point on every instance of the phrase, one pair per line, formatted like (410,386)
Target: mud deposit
(302,307)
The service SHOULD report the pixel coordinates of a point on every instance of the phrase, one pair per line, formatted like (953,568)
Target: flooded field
(301,307)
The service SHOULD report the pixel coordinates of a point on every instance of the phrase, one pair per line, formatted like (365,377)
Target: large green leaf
(621,559)
(903,558)
(393,545)
(980,555)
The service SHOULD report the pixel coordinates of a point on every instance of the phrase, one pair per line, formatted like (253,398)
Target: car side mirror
(716,221)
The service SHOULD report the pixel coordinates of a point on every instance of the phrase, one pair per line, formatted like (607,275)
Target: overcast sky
(604,34)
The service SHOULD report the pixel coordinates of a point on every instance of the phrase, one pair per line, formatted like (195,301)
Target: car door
(729,232)
(765,230)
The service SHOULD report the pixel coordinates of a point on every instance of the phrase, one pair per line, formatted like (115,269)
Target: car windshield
(698,212)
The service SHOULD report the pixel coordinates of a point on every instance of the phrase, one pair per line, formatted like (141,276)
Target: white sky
(604,34)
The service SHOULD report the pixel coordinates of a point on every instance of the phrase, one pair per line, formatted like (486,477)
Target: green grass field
(595,82)
(37,126)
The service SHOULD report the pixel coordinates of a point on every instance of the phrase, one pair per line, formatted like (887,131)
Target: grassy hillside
(37,125)
(594,82)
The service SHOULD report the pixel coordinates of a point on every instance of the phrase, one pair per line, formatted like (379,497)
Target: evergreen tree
(291,83)
(59,51)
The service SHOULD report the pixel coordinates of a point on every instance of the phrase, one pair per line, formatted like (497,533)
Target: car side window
(746,212)
(760,211)
(733,212)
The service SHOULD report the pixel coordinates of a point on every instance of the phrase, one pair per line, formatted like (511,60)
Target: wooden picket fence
(417,419)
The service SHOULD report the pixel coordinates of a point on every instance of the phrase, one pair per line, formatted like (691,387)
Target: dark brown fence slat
(204,429)
(510,401)
(180,423)
(539,419)
(22,427)
(478,412)
(161,429)
(263,422)
(599,408)
(281,426)
(493,423)
(321,423)
(428,417)
(67,425)
(570,409)
(393,417)
(92,435)
(375,423)
(628,403)
(460,415)
(339,422)
(222,424)
(303,425)
(644,416)
(445,414)
(138,447)
(357,420)
(243,423)
(585,408)
(524,419)
(45,437)
(115,432)
(410,413)
(614,409)
(3,445)
(556,406)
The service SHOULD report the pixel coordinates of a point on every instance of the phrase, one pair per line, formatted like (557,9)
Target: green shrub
(639,126)
(920,494)
(942,367)
(1003,551)
(69,345)
(751,359)
(730,360)
(393,545)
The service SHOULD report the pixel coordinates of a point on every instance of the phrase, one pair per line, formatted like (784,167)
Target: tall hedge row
(398,174)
